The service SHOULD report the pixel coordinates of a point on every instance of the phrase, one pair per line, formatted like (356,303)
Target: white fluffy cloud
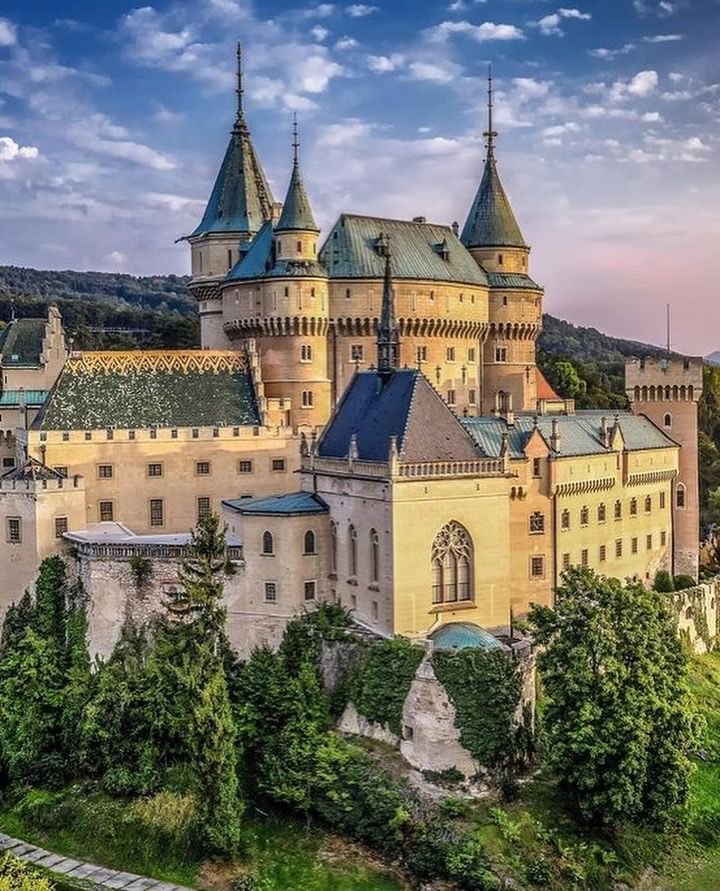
(484,32)
(11,150)
(8,33)
(384,64)
(360,10)
(549,25)
(346,43)
(319,33)
(430,71)
(98,134)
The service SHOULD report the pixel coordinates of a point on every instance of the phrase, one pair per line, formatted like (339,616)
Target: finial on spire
(239,89)
(296,138)
(490,134)
(388,339)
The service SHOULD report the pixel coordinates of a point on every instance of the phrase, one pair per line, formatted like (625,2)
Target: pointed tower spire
(491,221)
(296,214)
(388,337)
(241,200)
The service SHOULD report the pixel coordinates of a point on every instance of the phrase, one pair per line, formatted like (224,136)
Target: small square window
(155,470)
(271,592)
(106,511)
(153,433)
(9,463)
(110,433)
(357,352)
(131,434)
(202,468)
(66,437)
(308,398)
(43,436)
(501,354)
(61,526)
(245,466)
(236,431)
(105,471)
(88,436)
(278,464)
(216,432)
(14,530)
(310,589)
(537,523)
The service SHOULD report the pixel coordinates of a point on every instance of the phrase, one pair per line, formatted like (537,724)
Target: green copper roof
(21,342)
(291,504)
(32,398)
(193,388)
(462,635)
(491,222)
(260,262)
(424,251)
(512,281)
(296,213)
(241,199)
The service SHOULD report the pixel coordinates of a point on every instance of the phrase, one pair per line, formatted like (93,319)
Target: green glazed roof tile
(291,504)
(512,280)
(32,398)
(491,221)
(463,635)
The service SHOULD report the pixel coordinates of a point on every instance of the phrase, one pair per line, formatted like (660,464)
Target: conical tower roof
(241,200)
(296,213)
(491,221)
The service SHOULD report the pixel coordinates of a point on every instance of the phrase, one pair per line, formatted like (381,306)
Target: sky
(114,118)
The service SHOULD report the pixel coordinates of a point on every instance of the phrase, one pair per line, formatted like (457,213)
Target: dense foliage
(382,682)
(18,876)
(618,724)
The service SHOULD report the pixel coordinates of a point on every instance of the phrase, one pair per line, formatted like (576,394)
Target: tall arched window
(648,504)
(309,542)
(352,554)
(333,548)
(452,564)
(667,420)
(268,545)
(584,515)
(680,496)
(374,556)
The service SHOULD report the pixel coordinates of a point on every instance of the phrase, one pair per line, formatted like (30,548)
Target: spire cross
(490,134)
(296,139)
(239,90)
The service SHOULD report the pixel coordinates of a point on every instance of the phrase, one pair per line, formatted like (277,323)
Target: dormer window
(382,245)
(443,249)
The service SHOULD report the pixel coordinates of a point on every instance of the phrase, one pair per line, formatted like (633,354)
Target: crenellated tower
(492,235)
(278,296)
(240,203)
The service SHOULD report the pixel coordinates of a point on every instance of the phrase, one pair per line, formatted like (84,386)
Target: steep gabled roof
(424,251)
(21,343)
(403,405)
(153,388)
(241,200)
(491,221)
(260,262)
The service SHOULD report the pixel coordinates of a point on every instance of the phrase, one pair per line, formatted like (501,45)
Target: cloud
(692,150)
(11,150)
(346,43)
(360,10)
(652,117)
(549,25)
(346,133)
(663,38)
(640,86)
(319,33)
(8,33)
(609,54)
(643,83)
(562,129)
(100,135)
(116,259)
(384,64)
(429,71)
(481,33)
(322,11)
(164,115)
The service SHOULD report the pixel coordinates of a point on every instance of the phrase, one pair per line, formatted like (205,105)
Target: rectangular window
(195,433)
(154,470)
(307,398)
(422,354)
(471,397)
(618,547)
(584,557)
(450,354)
(153,433)
(374,610)
(173,434)
(648,543)
(216,432)
(537,567)
(271,592)
(357,352)
(537,468)
(310,590)
(451,397)
(88,435)
(9,463)
(156,512)
(106,511)
(105,471)
(131,434)
(203,507)
(66,437)
(110,433)
(471,354)
(566,561)
(603,553)
(634,546)
(14,530)
(663,539)
(662,501)
(278,464)
(537,523)
(501,354)
(202,468)
(245,466)
(61,526)
(63,471)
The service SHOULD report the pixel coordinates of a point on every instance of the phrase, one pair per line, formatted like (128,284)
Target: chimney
(456,228)
(604,436)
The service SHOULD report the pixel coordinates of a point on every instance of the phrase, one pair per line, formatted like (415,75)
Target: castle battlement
(664,375)
(39,485)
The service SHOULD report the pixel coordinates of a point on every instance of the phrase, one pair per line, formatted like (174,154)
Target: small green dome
(460,635)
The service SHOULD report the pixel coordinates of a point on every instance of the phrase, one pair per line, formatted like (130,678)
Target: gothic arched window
(268,545)
(309,542)
(452,562)
(374,556)
(352,556)
(680,496)
(667,420)
(602,513)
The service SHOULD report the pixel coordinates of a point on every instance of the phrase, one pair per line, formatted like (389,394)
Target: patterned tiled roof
(241,199)
(424,251)
(512,280)
(290,504)
(491,221)
(32,398)
(402,404)
(579,433)
(154,388)
(21,342)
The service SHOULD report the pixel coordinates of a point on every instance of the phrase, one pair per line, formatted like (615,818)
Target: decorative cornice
(154,361)
(584,487)
(653,476)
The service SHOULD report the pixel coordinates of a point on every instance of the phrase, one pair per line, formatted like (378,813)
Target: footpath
(87,875)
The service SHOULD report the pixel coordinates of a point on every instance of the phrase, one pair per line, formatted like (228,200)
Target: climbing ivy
(381,685)
(484,686)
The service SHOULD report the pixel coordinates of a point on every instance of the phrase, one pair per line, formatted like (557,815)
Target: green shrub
(538,872)
(382,684)
(663,582)
(18,876)
(47,810)
(682,582)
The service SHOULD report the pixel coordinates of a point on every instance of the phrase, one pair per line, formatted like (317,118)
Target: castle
(367,414)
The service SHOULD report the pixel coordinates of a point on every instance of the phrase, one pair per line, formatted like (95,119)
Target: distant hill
(713,358)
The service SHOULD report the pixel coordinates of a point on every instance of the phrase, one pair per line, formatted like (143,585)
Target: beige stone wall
(212,335)
(502,259)
(131,488)
(693,603)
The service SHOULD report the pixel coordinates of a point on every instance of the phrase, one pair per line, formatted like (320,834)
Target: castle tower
(667,391)
(240,202)
(492,235)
